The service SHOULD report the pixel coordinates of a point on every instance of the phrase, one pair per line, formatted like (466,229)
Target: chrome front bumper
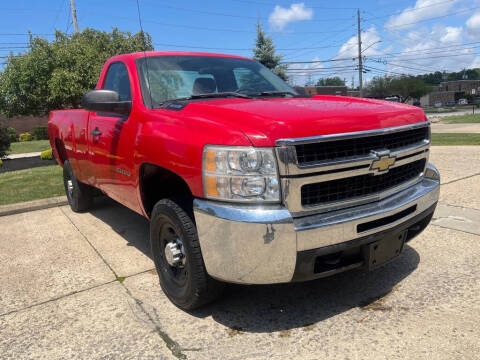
(259,244)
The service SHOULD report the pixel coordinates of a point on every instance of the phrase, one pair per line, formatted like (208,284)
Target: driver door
(112,162)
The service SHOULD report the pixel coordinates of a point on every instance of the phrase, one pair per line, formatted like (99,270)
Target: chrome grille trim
(294,176)
(286,154)
(350,135)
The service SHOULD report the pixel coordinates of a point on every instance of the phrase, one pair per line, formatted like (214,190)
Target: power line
(432,18)
(440,56)
(412,9)
(407,57)
(67,25)
(443,49)
(330,38)
(58,13)
(324,74)
(220,48)
(26,34)
(381,70)
(311,7)
(213,13)
(422,37)
(407,67)
(193,27)
(318,61)
(321,68)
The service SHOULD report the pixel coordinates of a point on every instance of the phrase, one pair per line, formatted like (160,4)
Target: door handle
(95,134)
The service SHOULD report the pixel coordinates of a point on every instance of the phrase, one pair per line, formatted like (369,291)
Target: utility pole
(74,16)
(360,65)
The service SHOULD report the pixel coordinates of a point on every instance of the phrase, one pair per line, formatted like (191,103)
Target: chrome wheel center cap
(70,187)
(174,254)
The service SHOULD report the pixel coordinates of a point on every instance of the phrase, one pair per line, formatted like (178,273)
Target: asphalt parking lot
(84,286)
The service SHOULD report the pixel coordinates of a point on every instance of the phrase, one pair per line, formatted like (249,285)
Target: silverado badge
(383,162)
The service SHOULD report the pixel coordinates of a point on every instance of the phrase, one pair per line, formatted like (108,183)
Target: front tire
(178,258)
(79,195)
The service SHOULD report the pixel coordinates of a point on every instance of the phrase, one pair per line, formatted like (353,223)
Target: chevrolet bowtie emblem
(383,162)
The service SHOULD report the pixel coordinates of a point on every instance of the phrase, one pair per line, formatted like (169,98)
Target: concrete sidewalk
(23,155)
(84,286)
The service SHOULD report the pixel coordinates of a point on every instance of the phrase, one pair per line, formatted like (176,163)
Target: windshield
(180,77)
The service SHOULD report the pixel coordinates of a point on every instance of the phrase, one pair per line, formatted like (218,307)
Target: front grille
(331,150)
(357,186)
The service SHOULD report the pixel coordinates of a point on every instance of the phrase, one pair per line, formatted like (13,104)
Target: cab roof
(141,54)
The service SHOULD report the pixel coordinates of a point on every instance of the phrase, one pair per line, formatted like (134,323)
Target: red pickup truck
(243,180)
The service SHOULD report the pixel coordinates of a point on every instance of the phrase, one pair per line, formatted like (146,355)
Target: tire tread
(207,289)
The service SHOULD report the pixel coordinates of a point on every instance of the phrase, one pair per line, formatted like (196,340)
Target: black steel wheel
(178,258)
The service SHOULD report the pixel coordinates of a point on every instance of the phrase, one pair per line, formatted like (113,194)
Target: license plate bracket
(380,252)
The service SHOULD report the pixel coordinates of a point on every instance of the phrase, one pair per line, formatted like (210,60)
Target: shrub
(4,141)
(12,134)
(46,155)
(1,162)
(40,132)
(25,137)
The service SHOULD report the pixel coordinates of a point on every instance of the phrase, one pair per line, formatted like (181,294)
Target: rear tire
(178,258)
(79,195)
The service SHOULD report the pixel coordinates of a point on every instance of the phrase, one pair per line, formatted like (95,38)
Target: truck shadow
(282,307)
(270,308)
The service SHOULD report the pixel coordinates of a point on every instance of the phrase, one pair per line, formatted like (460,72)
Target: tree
(433,78)
(406,87)
(409,87)
(437,77)
(380,87)
(55,74)
(264,53)
(332,81)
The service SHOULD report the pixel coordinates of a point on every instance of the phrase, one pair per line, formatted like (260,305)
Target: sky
(317,37)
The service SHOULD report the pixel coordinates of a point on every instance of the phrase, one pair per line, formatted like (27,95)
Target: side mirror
(106,101)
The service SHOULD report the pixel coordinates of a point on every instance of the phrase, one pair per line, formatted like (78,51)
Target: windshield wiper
(273,93)
(218,95)
(204,96)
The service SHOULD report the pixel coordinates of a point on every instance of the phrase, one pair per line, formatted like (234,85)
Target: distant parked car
(450,103)
(417,103)
(462,102)
(438,104)
(393,98)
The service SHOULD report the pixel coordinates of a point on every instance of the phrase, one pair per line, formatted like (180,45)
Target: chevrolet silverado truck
(243,180)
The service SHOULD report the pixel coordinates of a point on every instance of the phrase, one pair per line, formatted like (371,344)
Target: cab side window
(117,80)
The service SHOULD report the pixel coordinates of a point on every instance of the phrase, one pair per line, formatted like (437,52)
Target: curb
(34,205)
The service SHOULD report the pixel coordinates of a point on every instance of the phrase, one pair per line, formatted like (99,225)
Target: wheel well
(158,183)
(62,153)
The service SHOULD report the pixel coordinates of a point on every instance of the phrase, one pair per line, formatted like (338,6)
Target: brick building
(452,91)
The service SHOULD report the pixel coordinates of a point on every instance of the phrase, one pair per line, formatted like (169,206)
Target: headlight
(240,174)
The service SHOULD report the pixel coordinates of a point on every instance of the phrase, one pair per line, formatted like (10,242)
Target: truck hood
(264,121)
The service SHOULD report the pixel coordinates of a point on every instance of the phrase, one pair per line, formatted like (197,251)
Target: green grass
(31,184)
(462,119)
(29,146)
(455,139)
